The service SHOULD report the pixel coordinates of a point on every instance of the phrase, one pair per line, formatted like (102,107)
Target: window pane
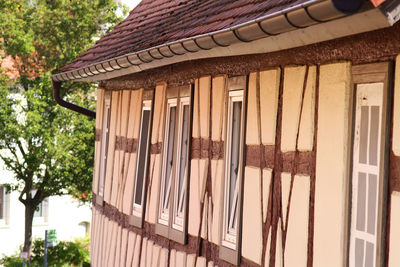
(234,162)
(39,210)
(374,132)
(183,158)
(364,134)
(104,150)
(169,160)
(369,254)
(2,197)
(372,198)
(361,201)
(359,253)
(142,157)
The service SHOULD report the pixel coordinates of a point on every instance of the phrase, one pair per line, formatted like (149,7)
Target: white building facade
(63,213)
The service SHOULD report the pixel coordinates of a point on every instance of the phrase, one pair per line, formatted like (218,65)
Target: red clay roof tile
(156,22)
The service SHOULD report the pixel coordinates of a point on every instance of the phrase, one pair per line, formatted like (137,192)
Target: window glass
(233,169)
(168,165)
(180,184)
(142,157)
(2,202)
(104,142)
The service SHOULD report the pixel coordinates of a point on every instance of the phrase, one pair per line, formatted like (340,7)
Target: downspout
(69,105)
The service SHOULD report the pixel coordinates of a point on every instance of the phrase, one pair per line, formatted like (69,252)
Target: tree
(49,149)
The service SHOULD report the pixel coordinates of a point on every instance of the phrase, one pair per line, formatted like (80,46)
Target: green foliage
(47,147)
(47,34)
(65,254)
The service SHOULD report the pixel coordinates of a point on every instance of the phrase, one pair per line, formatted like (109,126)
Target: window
(42,209)
(41,214)
(181,165)
(4,206)
(104,146)
(171,220)
(231,223)
(368,174)
(141,166)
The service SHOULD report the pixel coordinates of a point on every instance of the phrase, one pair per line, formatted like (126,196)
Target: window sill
(136,221)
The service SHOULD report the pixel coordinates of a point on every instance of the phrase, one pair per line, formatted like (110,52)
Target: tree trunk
(29,211)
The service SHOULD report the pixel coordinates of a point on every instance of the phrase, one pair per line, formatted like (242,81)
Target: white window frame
(229,234)
(169,223)
(105,132)
(179,201)
(377,73)
(163,212)
(138,208)
(5,206)
(43,208)
(230,246)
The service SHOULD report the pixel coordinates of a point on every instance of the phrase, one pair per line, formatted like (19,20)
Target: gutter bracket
(69,105)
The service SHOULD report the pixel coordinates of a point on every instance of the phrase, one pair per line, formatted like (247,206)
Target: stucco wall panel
(158,118)
(396,109)
(136,254)
(129,164)
(128,182)
(191,260)
(99,120)
(279,248)
(163,257)
(269,91)
(394,245)
(153,188)
(204,105)
(253,113)
(143,254)
(117,257)
(149,253)
(130,249)
(201,262)
(266,176)
(285,187)
(204,218)
(217,178)
(118,190)
(252,215)
(218,108)
(180,259)
(292,96)
(115,100)
(331,164)
(306,131)
(295,254)
(172,258)
(111,244)
(124,247)
(268,249)
(117,154)
(105,243)
(155,261)
(201,107)
(198,178)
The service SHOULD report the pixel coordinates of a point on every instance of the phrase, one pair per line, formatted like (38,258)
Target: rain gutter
(296,17)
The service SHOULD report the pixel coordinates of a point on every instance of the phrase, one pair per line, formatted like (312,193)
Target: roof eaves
(298,16)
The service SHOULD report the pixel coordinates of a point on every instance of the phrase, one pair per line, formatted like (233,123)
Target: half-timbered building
(246,133)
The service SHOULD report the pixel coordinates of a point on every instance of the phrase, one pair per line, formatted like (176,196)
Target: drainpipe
(69,105)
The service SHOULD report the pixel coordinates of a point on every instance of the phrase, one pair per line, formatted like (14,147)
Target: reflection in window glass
(142,157)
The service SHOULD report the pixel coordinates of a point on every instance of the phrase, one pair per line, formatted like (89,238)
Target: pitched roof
(156,22)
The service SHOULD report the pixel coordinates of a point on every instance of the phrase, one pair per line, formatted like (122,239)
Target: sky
(130,3)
